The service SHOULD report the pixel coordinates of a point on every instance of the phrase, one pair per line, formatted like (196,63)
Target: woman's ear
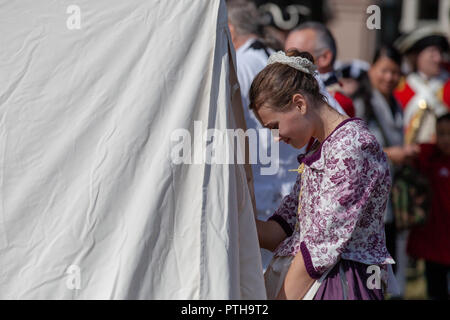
(300,102)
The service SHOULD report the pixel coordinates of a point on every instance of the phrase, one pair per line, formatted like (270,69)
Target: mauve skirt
(351,286)
(347,280)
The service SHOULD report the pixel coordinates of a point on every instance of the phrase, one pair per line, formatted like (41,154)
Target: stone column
(444,16)
(348,25)
(409,15)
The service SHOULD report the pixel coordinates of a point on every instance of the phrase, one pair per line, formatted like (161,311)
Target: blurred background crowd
(388,64)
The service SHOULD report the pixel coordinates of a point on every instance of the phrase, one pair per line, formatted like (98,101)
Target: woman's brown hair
(275,85)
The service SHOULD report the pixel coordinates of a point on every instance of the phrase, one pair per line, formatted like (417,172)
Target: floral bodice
(344,187)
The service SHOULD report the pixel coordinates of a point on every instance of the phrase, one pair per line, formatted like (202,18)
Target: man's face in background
(429,61)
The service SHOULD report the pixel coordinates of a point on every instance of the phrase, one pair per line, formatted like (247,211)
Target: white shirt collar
(246,45)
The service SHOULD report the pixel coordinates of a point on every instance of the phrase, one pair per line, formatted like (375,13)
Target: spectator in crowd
(350,75)
(374,102)
(316,39)
(251,55)
(244,22)
(425,92)
(431,241)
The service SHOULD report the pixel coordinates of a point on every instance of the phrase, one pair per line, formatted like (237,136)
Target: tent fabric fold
(92,205)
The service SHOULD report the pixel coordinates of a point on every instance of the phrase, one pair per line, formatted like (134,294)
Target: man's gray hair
(245,17)
(325,39)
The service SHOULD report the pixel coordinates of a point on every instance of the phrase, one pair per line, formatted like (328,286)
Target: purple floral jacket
(345,187)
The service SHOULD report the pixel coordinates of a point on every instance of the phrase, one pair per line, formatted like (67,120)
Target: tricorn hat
(417,40)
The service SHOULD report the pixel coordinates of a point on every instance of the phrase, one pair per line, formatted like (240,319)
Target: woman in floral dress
(328,234)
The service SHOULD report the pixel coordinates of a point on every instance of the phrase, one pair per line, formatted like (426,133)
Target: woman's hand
(297,281)
(270,234)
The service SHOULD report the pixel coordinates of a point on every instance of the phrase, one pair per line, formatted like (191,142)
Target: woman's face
(385,75)
(293,127)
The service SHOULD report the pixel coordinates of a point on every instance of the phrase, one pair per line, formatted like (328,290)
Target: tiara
(299,63)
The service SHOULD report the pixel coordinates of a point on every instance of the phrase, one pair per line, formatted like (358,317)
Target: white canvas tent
(91,205)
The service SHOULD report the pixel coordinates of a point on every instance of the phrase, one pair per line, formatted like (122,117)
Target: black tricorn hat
(422,38)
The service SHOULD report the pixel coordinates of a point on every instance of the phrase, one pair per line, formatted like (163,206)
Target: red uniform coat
(432,240)
(403,93)
(346,103)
